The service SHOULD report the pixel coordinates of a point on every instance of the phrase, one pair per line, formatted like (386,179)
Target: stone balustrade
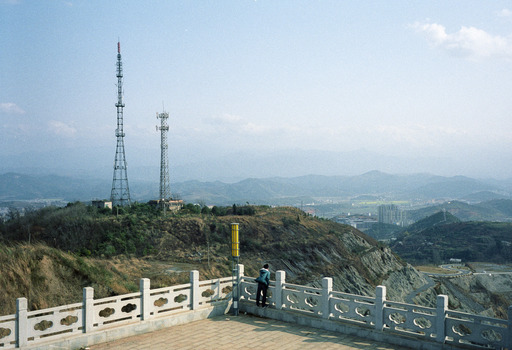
(437,326)
(40,328)
(99,320)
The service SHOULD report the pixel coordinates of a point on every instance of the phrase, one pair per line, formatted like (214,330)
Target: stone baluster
(88,309)
(280,281)
(326,297)
(442,306)
(194,289)
(21,322)
(236,293)
(240,273)
(380,300)
(145,298)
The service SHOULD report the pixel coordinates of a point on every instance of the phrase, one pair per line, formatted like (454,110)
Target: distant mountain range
(378,185)
(491,210)
(275,190)
(191,162)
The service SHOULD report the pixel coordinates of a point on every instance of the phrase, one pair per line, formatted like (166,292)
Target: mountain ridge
(15,186)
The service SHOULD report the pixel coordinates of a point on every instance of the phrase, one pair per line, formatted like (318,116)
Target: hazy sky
(399,78)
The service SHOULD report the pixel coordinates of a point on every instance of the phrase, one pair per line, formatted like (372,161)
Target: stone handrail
(27,329)
(30,328)
(437,324)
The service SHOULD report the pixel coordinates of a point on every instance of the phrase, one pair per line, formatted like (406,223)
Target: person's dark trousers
(262,291)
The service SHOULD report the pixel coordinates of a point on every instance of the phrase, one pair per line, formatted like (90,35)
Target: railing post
(509,341)
(240,273)
(280,280)
(326,297)
(442,306)
(194,289)
(87,309)
(145,299)
(21,322)
(380,299)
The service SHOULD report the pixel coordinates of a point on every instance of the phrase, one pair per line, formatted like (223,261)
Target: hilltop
(79,245)
(489,210)
(439,237)
(439,218)
(49,255)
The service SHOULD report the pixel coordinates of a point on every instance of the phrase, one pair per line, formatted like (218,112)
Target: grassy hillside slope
(79,246)
(468,241)
(49,277)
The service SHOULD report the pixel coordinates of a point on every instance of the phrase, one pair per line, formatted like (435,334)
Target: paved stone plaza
(242,332)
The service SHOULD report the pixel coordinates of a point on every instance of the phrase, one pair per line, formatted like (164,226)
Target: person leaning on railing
(263,282)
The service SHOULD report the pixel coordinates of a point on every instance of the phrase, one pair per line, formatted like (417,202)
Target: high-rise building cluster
(392,214)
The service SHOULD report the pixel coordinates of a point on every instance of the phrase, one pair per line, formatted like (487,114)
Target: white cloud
(61,129)
(505,13)
(224,119)
(236,124)
(10,108)
(468,41)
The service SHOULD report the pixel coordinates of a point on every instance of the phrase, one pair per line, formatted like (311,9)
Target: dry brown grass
(283,237)
(48,277)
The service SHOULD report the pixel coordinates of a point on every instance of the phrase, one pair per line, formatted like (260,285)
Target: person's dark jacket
(264,277)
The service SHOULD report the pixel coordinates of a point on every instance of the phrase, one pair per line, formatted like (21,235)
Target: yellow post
(235,253)
(235,243)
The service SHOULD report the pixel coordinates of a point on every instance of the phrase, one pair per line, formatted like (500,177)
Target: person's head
(265,266)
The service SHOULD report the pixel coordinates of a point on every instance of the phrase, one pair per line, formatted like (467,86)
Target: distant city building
(391,214)
(358,221)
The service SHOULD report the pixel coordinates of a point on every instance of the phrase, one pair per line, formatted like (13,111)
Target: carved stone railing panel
(464,328)
(170,299)
(215,290)
(352,308)
(302,298)
(123,308)
(7,332)
(249,288)
(54,321)
(411,319)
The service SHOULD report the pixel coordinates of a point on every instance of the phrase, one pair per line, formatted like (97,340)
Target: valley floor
(477,287)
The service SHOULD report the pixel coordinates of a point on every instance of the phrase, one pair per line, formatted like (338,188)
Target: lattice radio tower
(165,189)
(120,195)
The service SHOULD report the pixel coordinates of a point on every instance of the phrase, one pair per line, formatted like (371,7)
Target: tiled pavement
(242,332)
